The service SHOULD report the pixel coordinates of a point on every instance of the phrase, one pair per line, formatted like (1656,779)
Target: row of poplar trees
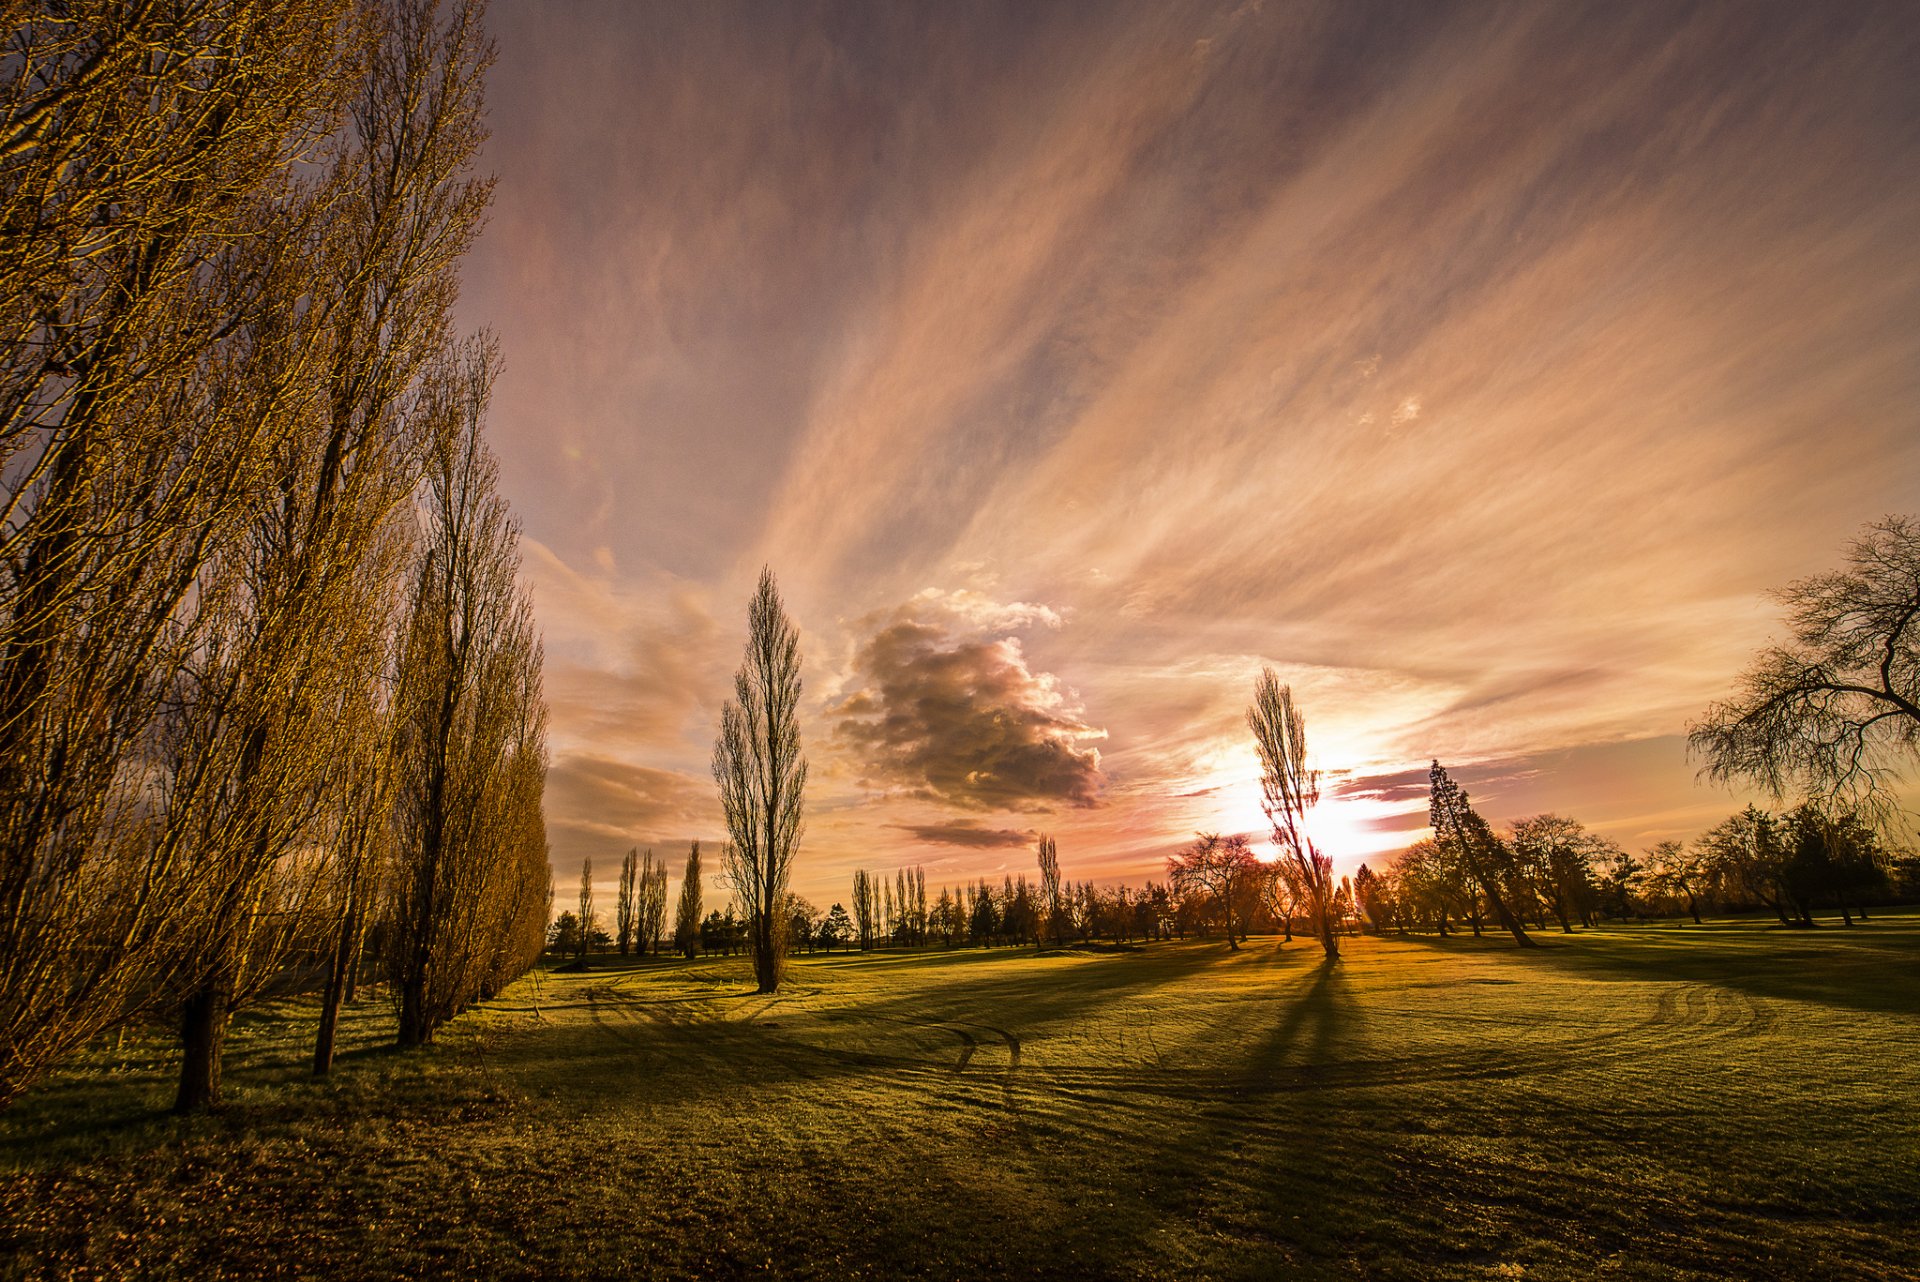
(269,695)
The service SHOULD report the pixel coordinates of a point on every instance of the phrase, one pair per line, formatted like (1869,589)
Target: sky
(1479,368)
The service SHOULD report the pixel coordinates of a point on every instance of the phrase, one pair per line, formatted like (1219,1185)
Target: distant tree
(650,902)
(1289,790)
(563,936)
(944,919)
(803,920)
(589,919)
(1373,897)
(1433,888)
(1052,910)
(983,921)
(1280,895)
(1836,710)
(1220,869)
(1748,854)
(1832,855)
(836,929)
(863,908)
(763,776)
(1619,877)
(626,911)
(1555,857)
(1674,871)
(686,920)
(1461,834)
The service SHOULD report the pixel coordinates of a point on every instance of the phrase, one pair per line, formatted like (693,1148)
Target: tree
(470,849)
(803,921)
(763,776)
(1749,854)
(1832,855)
(1289,790)
(564,935)
(863,908)
(1461,834)
(686,919)
(1555,857)
(1052,910)
(1373,898)
(836,929)
(626,906)
(165,269)
(1673,870)
(650,902)
(1836,710)
(589,919)
(1432,886)
(1219,868)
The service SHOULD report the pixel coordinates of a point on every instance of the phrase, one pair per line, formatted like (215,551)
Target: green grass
(1648,1102)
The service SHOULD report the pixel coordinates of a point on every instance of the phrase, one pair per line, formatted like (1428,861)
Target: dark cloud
(967,832)
(964,721)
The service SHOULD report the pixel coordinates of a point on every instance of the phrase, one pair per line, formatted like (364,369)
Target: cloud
(970,833)
(599,806)
(952,713)
(1029,298)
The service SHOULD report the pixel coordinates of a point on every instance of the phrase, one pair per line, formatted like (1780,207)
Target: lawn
(1640,1102)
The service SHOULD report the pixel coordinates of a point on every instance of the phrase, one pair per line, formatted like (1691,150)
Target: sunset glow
(1479,371)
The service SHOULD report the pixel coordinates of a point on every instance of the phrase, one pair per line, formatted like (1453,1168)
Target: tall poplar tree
(762,775)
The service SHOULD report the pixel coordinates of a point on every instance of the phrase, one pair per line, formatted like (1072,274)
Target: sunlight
(1352,830)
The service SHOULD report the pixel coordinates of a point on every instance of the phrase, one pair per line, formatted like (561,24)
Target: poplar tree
(762,775)
(1050,901)
(1289,790)
(625,906)
(686,920)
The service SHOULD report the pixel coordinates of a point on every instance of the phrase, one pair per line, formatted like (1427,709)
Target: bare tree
(1050,902)
(1221,868)
(1555,856)
(469,853)
(686,918)
(589,919)
(149,376)
(1289,790)
(1835,711)
(1674,870)
(762,776)
(650,910)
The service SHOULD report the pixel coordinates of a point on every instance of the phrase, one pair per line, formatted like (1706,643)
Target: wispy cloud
(1478,368)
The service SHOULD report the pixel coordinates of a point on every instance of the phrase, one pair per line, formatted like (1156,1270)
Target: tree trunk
(1506,918)
(415,1029)
(1560,911)
(203,1036)
(338,980)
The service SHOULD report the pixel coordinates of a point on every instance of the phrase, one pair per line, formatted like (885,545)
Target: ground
(1651,1101)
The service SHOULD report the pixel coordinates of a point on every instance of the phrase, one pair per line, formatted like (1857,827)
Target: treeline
(270,699)
(1551,872)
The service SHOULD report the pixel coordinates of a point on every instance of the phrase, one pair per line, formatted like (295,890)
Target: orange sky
(1477,367)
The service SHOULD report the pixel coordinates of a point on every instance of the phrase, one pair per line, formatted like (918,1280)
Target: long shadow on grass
(1870,968)
(1238,1169)
(684,1062)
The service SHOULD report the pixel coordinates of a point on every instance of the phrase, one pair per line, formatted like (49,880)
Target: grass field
(1647,1102)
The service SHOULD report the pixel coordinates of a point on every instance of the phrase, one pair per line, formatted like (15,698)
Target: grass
(1646,1102)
